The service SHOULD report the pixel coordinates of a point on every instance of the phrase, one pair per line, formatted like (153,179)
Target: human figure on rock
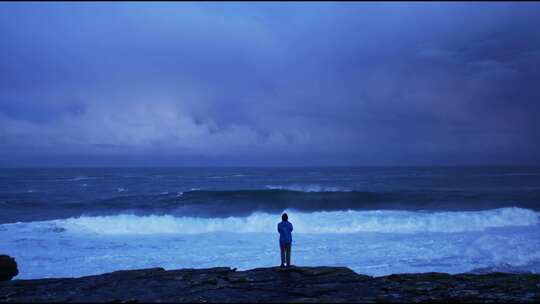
(285,239)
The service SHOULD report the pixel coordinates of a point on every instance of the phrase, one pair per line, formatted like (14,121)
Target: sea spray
(314,222)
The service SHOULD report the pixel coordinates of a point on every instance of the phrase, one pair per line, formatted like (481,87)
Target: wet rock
(8,268)
(297,284)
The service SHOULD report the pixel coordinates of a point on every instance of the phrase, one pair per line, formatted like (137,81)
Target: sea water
(374,220)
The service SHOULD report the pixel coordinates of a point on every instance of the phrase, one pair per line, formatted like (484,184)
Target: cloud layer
(269,84)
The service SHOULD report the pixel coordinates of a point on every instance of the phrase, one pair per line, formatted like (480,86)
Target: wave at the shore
(315,222)
(371,242)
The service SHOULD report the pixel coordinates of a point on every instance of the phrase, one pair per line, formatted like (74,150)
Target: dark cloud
(269,84)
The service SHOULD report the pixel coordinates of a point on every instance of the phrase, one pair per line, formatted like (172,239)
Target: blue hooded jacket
(285,228)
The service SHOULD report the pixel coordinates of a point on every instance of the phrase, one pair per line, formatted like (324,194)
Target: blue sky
(196,84)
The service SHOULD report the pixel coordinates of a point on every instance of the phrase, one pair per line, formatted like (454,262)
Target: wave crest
(308,188)
(315,222)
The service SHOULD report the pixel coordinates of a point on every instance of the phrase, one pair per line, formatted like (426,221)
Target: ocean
(374,220)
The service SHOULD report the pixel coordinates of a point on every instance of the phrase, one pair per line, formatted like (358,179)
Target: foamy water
(316,222)
(369,242)
(376,221)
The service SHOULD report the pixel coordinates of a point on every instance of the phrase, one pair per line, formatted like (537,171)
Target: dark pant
(285,253)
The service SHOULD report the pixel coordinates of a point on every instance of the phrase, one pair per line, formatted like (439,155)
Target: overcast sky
(194,84)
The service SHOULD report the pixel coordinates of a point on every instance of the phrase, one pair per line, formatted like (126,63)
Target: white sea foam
(308,188)
(79,178)
(93,245)
(316,222)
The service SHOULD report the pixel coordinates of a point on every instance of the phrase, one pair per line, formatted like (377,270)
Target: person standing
(285,239)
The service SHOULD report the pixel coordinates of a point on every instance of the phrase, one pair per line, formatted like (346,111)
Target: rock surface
(297,284)
(8,268)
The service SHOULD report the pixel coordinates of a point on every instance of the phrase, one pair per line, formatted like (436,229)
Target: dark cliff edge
(296,284)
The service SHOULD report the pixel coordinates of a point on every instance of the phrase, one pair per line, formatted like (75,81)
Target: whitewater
(369,242)
(375,221)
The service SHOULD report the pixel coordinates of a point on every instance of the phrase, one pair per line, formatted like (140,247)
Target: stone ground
(297,284)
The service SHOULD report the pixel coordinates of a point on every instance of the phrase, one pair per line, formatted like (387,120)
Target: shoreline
(295,284)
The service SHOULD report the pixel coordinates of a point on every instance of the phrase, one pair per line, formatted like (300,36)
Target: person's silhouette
(285,239)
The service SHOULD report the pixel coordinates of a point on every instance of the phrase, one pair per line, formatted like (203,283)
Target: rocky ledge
(296,284)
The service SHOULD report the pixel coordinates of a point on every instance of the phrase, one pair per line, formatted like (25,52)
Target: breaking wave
(315,222)
(80,178)
(308,188)
(242,203)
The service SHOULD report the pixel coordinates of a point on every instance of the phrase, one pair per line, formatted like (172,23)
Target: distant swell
(80,178)
(308,188)
(315,222)
(225,203)
(318,198)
